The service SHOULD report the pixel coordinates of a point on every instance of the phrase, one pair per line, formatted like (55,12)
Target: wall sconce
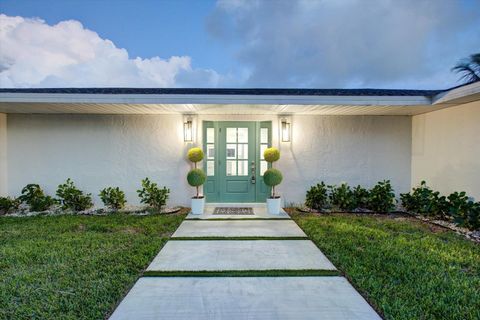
(188,131)
(286,133)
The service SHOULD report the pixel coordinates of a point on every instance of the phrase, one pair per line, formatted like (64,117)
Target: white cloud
(35,54)
(348,43)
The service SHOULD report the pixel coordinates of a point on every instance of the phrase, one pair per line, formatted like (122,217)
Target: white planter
(273,205)
(198,205)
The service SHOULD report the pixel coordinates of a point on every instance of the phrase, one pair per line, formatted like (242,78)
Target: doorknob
(252,168)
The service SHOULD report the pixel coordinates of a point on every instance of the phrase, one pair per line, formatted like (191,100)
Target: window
(210,152)
(237,151)
(263,147)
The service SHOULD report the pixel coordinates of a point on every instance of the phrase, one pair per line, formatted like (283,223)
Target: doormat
(233,211)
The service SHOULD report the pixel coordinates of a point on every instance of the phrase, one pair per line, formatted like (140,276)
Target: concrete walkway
(232,298)
(235,228)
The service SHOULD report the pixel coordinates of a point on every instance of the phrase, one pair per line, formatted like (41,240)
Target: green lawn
(406,269)
(79,267)
(75,267)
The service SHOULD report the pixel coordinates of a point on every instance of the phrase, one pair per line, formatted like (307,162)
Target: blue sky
(236,43)
(145,28)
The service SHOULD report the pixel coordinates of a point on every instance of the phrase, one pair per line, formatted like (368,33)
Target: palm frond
(469,69)
(475,59)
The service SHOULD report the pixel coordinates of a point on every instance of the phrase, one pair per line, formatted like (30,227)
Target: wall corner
(3,155)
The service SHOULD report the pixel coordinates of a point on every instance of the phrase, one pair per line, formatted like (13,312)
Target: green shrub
(36,199)
(342,197)
(113,197)
(195,178)
(425,201)
(361,196)
(271,154)
(457,206)
(8,204)
(381,197)
(152,195)
(195,155)
(473,217)
(272,177)
(464,212)
(317,197)
(73,198)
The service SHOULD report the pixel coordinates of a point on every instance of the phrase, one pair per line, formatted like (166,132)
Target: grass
(75,267)
(79,267)
(405,268)
(244,273)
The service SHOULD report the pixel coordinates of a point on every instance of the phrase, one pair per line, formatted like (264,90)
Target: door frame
(211,188)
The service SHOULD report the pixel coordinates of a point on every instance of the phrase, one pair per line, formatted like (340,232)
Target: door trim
(211,188)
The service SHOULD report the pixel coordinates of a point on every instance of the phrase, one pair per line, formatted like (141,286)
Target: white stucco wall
(97,151)
(355,149)
(446,149)
(3,154)
(119,150)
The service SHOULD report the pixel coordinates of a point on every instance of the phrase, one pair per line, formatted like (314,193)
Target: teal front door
(234,160)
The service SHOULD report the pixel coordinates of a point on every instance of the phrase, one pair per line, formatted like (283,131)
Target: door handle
(252,168)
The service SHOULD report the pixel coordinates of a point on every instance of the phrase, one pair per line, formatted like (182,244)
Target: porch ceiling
(248,109)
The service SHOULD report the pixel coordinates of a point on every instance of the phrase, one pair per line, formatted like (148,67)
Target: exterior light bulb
(187,131)
(285,131)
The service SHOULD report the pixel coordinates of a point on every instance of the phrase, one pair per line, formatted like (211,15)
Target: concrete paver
(218,255)
(239,298)
(235,228)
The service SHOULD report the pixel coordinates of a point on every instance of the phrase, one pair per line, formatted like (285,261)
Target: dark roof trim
(225,91)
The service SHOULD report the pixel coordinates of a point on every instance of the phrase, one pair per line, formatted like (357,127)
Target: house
(117,136)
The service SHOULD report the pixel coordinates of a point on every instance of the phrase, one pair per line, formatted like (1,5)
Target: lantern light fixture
(286,133)
(188,131)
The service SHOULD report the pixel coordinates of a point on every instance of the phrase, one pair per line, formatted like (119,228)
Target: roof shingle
(225,91)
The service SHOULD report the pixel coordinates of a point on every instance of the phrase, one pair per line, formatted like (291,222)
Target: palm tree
(469,68)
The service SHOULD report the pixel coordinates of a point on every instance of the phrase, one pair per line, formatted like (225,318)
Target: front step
(259,210)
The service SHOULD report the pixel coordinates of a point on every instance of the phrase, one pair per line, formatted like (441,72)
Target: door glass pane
(243,151)
(263,167)
(231,151)
(210,168)
(210,151)
(210,135)
(264,135)
(263,147)
(243,135)
(231,168)
(232,135)
(243,168)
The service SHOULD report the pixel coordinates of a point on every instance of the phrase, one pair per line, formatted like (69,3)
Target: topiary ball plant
(272,177)
(271,154)
(196,177)
(195,155)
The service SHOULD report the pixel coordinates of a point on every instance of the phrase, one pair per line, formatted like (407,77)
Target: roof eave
(212,99)
(463,94)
